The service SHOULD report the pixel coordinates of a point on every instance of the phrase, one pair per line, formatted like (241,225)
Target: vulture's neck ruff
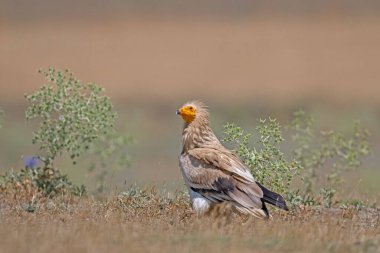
(197,132)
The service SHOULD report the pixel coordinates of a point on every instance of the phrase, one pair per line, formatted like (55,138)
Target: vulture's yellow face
(188,113)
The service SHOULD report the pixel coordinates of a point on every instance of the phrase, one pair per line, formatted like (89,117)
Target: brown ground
(276,59)
(149,223)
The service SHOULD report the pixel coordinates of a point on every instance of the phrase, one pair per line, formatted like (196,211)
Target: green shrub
(75,118)
(266,160)
(72,115)
(325,155)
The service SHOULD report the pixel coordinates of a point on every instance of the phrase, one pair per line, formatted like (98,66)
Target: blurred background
(245,59)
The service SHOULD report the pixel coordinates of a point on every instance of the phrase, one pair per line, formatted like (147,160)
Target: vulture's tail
(273,198)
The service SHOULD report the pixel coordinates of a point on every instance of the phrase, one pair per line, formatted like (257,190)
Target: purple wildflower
(31,162)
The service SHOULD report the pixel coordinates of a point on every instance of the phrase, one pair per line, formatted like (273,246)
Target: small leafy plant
(330,152)
(75,118)
(267,162)
(72,115)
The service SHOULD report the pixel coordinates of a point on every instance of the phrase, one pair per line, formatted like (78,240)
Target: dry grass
(148,222)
